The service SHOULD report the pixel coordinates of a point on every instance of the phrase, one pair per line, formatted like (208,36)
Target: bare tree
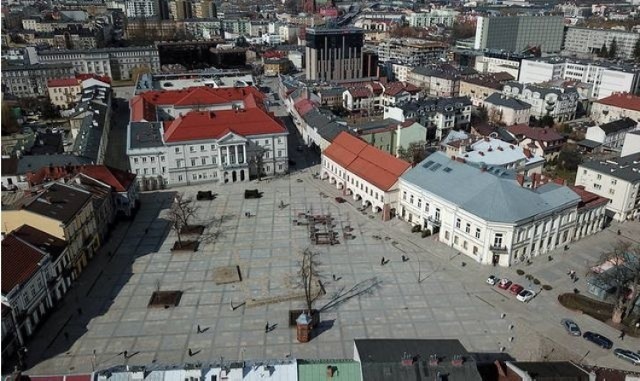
(257,160)
(182,210)
(622,276)
(308,275)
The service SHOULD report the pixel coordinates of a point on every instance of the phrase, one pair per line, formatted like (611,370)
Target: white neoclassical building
(203,134)
(492,216)
(367,174)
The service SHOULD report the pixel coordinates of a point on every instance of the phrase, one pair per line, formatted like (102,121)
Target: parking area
(430,295)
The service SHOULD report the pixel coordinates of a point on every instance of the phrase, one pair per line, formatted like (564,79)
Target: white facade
(618,180)
(487,241)
(605,78)
(142,8)
(401,72)
(590,41)
(432,18)
(613,140)
(229,159)
(605,113)
(631,144)
(560,103)
(487,65)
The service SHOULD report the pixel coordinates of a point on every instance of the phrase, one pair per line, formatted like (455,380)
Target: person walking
(382,262)
(266,328)
(622,335)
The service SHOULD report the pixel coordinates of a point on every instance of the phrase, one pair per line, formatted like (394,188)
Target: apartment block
(519,33)
(589,41)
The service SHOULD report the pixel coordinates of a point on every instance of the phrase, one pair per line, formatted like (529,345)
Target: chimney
(407,359)
(331,370)
(457,360)
(434,360)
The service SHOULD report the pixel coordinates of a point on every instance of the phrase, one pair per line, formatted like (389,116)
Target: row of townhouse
(375,96)
(116,63)
(202,134)
(50,233)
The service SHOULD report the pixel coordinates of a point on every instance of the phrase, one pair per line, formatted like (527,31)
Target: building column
(244,153)
(227,151)
(235,149)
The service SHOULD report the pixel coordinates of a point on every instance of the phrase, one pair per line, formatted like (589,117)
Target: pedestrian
(266,327)
(622,334)
(619,232)
(382,262)
(334,277)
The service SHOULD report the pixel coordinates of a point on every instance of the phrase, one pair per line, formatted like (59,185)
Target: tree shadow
(323,326)
(365,287)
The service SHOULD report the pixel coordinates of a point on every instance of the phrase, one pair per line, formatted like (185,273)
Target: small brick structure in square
(164,299)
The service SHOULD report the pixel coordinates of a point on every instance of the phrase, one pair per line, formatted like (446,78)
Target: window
(475,250)
(192,149)
(135,160)
(612,191)
(446,236)
(478,233)
(455,239)
(599,176)
(193,162)
(497,240)
(411,199)
(164,169)
(146,171)
(162,159)
(144,159)
(426,207)
(137,171)
(177,149)
(153,170)
(464,245)
(614,181)
(467,228)
(266,142)
(437,215)
(458,222)
(597,186)
(404,195)
(194,176)
(179,177)
(204,161)
(202,148)
(279,153)
(179,163)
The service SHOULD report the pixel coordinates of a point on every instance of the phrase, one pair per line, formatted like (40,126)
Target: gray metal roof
(618,125)
(33,163)
(331,130)
(505,101)
(434,104)
(145,135)
(492,194)
(382,359)
(626,168)
(89,137)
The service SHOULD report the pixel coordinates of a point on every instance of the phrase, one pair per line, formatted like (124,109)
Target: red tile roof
(304,106)
(361,92)
(622,100)
(588,199)
(369,163)
(63,82)
(535,133)
(119,180)
(395,88)
(143,106)
(199,125)
(19,262)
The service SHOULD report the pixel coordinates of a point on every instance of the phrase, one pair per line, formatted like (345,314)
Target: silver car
(571,327)
(627,355)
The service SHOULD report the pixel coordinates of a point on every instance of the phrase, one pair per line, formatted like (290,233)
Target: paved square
(364,300)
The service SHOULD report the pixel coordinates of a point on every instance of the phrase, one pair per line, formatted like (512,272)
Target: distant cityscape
(320,190)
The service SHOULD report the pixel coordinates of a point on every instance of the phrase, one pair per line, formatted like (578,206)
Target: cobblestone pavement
(450,301)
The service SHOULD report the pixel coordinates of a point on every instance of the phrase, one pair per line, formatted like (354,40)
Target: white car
(525,295)
(492,280)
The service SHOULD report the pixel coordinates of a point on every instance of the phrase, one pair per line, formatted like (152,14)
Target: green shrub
(426,233)
(520,272)
(416,228)
(547,287)
(529,277)
(536,281)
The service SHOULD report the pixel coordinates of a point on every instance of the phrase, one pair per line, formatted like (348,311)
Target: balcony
(433,221)
(498,249)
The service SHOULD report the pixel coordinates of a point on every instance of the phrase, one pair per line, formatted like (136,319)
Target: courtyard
(435,293)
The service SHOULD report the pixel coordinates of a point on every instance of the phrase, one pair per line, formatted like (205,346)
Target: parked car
(492,280)
(504,283)
(627,355)
(598,339)
(525,295)
(515,289)
(571,327)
